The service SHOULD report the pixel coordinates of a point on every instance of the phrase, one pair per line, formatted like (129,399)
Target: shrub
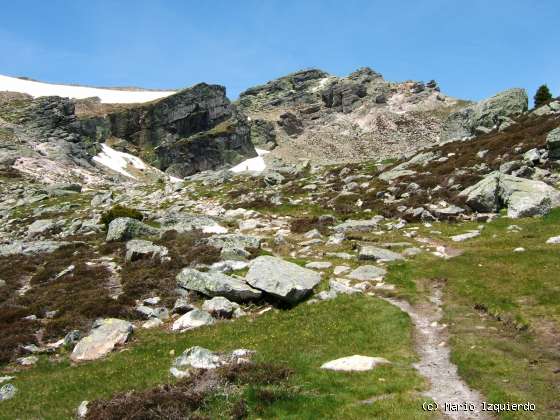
(543,96)
(120,211)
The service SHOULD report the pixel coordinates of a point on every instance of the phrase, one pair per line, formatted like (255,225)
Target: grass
(346,326)
(502,308)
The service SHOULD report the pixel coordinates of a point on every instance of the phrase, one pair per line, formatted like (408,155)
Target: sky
(472,48)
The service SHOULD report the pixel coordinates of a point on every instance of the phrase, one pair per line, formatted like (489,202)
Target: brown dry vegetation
(186,398)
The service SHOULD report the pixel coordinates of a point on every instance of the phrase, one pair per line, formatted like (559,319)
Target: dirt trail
(435,364)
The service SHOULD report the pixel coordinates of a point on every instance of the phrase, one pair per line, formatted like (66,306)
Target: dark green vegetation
(543,96)
(362,325)
(120,211)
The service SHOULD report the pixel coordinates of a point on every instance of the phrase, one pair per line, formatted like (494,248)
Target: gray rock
(72,338)
(27,361)
(359,225)
(522,197)
(367,273)
(42,227)
(125,228)
(393,174)
(106,334)
(193,319)
(449,211)
(369,252)
(137,249)
(7,392)
(102,198)
(233,246)
(182,306)
(553,143)
(284,280)
(532,156)
(31,248)
(339,288)
(214,283)
(220,307)
(319,265)
(485,115)
(200,358)
(82,410)
(2,283)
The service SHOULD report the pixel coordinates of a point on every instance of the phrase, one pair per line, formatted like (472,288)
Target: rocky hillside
(423,258)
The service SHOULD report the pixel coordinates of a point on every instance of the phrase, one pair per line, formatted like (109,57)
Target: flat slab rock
(215,283)
(368,252)
(367,273)
(106,334)
(356,363)
(282,279)
(193,319)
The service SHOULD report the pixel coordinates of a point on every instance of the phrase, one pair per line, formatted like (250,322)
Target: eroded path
(446,386)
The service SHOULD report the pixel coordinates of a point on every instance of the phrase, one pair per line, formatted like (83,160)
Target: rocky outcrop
(332,119)
(193,130)
(485,115)
(553,143)
(522,197)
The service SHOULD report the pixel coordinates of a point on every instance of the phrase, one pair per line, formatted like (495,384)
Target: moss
(120,211)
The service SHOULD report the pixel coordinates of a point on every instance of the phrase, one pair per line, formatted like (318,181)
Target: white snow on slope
(113,96)
(253,164)
(118,161)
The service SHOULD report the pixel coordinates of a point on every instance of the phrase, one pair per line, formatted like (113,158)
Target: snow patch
(118,161)
(256,164)
(113,96)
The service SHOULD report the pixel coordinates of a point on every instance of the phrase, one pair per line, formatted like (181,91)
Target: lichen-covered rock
(125,228)
(139,248)
(193,319)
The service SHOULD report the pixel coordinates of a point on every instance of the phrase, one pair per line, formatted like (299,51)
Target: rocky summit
(367,246)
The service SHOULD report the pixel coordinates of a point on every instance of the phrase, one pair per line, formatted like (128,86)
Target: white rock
(193,319)
(553,240)
(339,269)
(319,265)
(354,363)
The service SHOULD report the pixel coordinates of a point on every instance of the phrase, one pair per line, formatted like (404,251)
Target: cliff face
(193,130)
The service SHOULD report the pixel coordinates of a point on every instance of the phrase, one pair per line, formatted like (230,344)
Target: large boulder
(215,283)
(125,228)
(106,334)
(522,197)
(284,280)
(485,115)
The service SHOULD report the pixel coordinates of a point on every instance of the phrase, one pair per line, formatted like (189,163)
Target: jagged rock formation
(329,119)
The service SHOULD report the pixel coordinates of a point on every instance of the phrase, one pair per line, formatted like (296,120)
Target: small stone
(7,392)
(193,319)
(319,265)
(339,269)
(553,240)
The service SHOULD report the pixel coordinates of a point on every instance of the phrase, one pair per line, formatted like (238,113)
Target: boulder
(215,283)
(485,115)
(125,228)
(193,319)
(284,280)
(553,143)
(42,227)
(522,197)
(319,265)
(369,252)
(137,249)
(106,334)
(354,363)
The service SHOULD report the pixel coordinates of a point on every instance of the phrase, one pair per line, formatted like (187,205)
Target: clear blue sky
(473,48)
